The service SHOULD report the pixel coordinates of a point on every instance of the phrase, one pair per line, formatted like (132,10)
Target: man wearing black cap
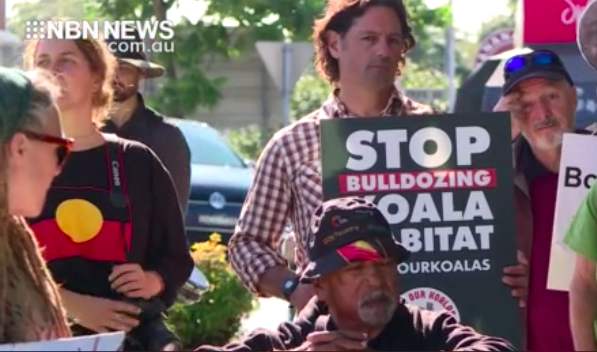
(132,119)
(541,98)
(352,266)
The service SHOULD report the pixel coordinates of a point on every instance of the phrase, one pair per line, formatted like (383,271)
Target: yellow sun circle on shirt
(79,219)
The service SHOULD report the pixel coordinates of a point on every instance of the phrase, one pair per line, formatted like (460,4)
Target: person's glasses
(518,62)
(63,145)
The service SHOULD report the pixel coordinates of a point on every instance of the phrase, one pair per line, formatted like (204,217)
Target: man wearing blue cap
(352,267)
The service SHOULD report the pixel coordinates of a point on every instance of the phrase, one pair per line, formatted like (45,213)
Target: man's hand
(510,102)
(132,281)
(335,341)
(104,315)
(517,277)
(301,296)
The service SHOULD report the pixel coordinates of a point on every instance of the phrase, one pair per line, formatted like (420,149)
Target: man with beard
(352,267)
(132,119)
(360,48)
(541,98)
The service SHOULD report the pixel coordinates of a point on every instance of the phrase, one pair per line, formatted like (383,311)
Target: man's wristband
(289,286)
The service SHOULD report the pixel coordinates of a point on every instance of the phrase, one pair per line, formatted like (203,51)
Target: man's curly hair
(338,17)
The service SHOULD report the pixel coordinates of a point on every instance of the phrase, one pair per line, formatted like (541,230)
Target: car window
(207,146)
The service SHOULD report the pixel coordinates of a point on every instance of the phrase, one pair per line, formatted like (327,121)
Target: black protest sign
(445,183)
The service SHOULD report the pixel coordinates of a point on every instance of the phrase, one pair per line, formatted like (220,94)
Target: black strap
(117,195)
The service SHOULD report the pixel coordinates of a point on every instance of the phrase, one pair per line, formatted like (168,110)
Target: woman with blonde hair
(33,153)
(112,231)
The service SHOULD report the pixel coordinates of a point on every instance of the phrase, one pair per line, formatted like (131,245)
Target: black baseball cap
(536,64)
(348,230)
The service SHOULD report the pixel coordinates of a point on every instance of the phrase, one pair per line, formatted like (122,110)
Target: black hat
(536,64)
(130,51)
(347,230)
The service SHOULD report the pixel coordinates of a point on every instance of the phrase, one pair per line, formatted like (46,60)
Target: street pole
(286,84)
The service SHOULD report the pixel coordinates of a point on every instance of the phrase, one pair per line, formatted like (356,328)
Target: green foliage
(308,95)
(188,84)
(428,27)
(218,316)
(415,76)
(36,10)
(269,19)
(249,141)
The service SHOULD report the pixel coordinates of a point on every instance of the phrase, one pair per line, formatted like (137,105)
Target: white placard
(577,170)
(101,342)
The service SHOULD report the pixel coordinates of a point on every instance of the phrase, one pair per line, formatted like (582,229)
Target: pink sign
(551,21)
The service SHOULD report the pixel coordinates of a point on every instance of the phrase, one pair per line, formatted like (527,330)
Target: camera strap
(116,172)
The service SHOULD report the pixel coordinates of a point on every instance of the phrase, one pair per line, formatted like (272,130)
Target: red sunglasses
(63,145)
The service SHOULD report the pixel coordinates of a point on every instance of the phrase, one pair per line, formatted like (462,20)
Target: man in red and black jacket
(353,258)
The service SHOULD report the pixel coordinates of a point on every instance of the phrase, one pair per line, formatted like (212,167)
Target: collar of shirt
(137,117)
(335,108)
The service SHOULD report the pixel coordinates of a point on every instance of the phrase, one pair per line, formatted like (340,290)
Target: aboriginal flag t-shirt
(83,233)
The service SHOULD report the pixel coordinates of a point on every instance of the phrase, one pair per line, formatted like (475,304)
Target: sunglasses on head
(539,58)
(63,145)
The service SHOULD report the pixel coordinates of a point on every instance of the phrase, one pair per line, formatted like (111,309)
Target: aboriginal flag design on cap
(348,230)
(360,251)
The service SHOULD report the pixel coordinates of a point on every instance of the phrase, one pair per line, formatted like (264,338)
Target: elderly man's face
(364,293)
(543,111)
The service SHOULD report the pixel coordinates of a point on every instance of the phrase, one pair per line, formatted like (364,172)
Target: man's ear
(333,40)
(320,290)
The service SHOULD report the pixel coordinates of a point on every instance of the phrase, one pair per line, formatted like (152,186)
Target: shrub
(218,316)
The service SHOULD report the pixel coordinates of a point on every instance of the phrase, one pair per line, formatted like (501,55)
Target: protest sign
(445,184)
(577,174)
(101,342)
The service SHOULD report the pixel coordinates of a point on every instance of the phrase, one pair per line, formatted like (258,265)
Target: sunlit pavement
(269,313)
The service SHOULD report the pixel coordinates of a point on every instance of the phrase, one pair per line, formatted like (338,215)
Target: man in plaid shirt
(360,48)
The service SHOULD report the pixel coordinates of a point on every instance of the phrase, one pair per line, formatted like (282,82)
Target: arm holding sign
(517,277)
(509,104)
(581,237)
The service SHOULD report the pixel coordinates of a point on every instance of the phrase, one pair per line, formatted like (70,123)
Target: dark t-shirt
(112,204)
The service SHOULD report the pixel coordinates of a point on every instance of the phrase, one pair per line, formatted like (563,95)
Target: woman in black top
(112,229)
